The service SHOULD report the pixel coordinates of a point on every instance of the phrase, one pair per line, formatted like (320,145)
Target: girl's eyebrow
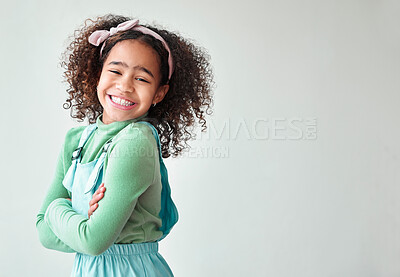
(138,67)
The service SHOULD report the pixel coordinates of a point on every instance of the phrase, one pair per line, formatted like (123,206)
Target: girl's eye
(115,72)
(142,80)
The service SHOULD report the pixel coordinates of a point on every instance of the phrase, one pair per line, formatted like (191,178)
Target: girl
(141,88)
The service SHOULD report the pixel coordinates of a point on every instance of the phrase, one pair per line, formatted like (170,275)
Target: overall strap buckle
(76,153)
(82,141)
(106,146)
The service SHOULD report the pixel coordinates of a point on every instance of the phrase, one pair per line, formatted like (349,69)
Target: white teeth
(120,101)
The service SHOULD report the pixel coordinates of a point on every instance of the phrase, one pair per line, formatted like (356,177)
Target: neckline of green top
(114,127)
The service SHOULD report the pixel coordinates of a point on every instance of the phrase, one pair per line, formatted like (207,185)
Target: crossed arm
(126,176)
(93,204)
(46,235)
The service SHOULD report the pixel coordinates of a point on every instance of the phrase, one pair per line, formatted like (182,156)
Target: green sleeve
(129,171)
(55,191)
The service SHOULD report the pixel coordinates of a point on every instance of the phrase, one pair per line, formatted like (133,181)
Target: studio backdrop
(298,171)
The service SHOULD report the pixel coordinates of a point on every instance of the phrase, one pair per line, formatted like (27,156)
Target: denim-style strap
(94,176)
(76,157)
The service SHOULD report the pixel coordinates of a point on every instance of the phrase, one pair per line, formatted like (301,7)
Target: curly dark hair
(190,87)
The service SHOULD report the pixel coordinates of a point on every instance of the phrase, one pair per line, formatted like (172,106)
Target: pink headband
(100,36)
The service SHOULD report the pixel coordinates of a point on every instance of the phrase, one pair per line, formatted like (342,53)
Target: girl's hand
(97,196)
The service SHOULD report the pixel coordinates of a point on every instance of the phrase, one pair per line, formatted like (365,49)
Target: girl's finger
(96,198)
(92,209)
(98,191)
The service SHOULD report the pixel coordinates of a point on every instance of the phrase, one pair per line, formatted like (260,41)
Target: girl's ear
(160,93)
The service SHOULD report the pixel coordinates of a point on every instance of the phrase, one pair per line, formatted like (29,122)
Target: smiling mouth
(121,101)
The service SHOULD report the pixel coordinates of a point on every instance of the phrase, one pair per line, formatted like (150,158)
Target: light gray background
(277,201)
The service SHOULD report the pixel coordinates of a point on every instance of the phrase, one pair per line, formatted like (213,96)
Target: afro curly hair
(190,88)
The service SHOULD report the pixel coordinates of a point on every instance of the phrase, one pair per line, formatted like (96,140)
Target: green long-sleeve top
(129,210)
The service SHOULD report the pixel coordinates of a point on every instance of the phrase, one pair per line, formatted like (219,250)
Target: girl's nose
(125,85)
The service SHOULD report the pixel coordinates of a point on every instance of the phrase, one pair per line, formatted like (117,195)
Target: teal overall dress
(119,260)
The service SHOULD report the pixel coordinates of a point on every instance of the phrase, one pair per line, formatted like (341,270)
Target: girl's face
(129,81)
